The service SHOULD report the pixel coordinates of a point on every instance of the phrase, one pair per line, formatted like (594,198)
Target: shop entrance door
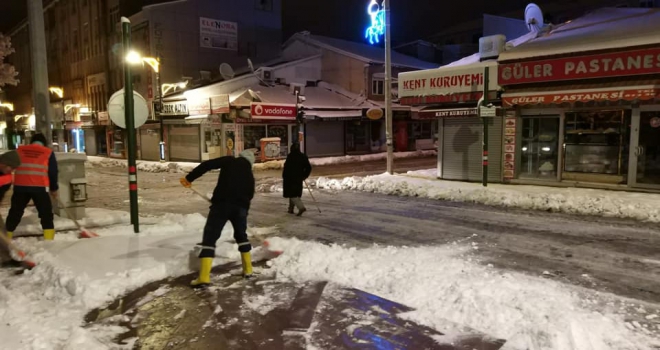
(645,150)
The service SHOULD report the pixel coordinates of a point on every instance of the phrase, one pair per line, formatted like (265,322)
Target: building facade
(191,38)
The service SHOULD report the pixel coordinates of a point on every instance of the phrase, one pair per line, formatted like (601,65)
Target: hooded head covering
(295,147)
(11,159)
(248,155)
(40,138)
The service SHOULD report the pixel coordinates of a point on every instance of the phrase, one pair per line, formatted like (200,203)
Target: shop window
(596,142)
(252,135)
(281,131)
(539,147)
(377,87)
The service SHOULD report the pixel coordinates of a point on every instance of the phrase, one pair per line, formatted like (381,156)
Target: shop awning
(554,96)
(334,115)
(197,119)
(436,113)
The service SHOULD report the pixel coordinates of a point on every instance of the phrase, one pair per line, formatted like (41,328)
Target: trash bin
(73,185)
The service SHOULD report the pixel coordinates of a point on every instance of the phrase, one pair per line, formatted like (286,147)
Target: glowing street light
(165,88)
(134,58)
(9,106)
(57,91)
(68,107)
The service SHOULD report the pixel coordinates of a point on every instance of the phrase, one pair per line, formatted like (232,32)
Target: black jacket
(296,169)
(235,182)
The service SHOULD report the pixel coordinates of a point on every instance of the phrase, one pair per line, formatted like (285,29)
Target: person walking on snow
(230,202)
(34,180)
(296,170)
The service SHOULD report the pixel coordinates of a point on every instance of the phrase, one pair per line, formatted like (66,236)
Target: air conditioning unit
(491,46)
(266,74)
(299,88)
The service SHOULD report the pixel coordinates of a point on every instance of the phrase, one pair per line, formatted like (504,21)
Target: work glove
(185,183)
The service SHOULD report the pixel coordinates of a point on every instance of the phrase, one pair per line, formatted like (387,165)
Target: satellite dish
(226,71)
(250,65)
(533,17)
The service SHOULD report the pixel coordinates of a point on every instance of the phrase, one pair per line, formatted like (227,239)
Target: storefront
(448,119)
(587,133)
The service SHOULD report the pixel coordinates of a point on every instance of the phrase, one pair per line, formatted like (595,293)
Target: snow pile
(639,206)
(184,167)
(74,276)
(447,289)
(142,165)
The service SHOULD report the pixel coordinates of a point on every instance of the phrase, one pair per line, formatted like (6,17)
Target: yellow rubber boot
(10,235)
(49,234)
(246,260)
(204,279)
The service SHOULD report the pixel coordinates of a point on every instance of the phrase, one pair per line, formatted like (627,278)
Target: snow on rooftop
(363,51)
(606,28)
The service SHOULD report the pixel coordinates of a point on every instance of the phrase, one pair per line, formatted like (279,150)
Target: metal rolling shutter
(462,151)
(325,139)
(184,143)
(149,144)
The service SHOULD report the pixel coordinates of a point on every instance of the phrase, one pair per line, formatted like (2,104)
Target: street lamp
(57,91)
(9,106)
(165,88)
(135,58)
(380,25)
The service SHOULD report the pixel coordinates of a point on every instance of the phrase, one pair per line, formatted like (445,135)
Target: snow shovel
(200,194)
(25,261)
(314,199)
(84,233)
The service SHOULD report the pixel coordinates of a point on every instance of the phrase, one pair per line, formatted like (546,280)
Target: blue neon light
(377,27)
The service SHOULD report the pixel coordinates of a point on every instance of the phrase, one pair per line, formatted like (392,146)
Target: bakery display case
(594,142)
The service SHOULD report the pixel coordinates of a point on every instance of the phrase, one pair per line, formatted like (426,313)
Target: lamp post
(154,62)
(380,25)
(129,111)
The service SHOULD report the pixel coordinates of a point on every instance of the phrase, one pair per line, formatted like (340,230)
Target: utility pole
(484,171)
(159,86)
(40,93)
(129,111)
(388,90)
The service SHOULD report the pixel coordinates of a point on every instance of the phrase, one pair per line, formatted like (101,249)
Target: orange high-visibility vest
(33,171)
(5,179)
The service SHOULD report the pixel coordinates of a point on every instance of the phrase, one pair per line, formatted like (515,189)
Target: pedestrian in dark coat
(296,170)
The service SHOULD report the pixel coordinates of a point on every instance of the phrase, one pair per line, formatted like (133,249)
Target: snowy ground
(180,167)
(75,276)
(540,280)
(638,206)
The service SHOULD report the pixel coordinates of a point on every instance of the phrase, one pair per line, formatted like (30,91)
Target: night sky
(346,19)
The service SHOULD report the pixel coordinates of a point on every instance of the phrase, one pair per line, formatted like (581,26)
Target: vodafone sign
(273,111)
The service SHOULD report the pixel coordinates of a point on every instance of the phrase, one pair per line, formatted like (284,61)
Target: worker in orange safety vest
(34,180)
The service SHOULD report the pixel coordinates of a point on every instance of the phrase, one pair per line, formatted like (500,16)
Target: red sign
(616,64)
(575,96)
(462,97)
(443,113)
(272,111)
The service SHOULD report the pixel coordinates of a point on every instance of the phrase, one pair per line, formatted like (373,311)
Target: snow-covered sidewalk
(639,206)
(450,290)
(180,167)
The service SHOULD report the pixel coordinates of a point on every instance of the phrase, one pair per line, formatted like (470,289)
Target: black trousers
(20,200)
(219,214)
